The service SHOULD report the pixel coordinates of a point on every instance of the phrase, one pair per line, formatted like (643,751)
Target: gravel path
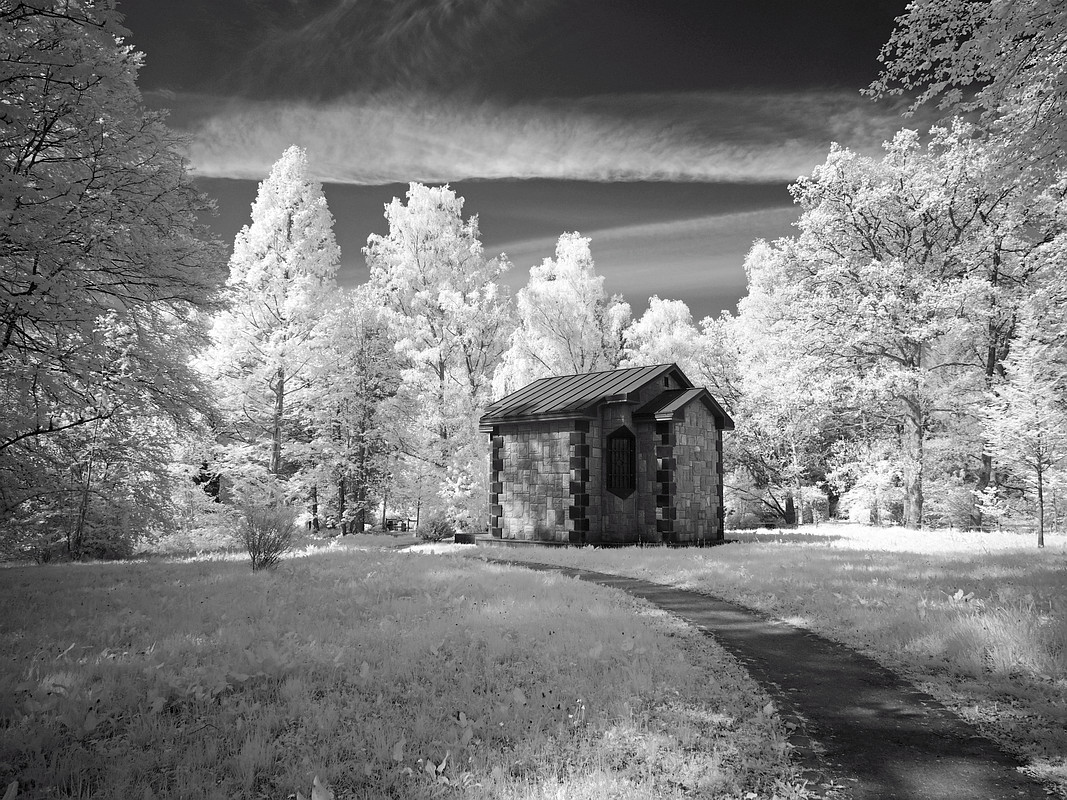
(861,730)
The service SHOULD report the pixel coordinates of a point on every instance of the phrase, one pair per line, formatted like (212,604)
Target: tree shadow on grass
(780,536)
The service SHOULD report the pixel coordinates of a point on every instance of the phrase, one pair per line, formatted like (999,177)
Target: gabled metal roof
(666,405)
(575,395)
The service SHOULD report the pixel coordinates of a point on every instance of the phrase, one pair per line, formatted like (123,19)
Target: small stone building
(625,456)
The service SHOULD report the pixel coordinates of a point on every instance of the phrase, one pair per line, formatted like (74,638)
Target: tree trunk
(912,450)
(74,542)
(985,472)
(315,508)
(276,433)
(985,476)
(341,504)
(790,514)
(1040,507)
(833,500)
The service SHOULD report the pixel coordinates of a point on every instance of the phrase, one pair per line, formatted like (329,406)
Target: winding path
(861,731)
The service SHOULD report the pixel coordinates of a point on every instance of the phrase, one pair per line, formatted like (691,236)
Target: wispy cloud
(392,137)
(699,259)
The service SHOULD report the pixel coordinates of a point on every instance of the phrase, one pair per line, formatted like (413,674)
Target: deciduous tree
(450,319)
(353,421)
(901,283)
(105,264)
(567,323)
(1026,415)
(1007,60)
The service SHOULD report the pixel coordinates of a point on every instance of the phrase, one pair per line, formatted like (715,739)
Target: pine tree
(281,285)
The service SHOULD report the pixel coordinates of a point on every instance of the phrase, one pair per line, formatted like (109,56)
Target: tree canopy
(107,267)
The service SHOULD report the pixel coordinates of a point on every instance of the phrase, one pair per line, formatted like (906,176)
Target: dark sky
(666,130)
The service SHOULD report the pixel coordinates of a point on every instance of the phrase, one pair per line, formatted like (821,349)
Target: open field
(383,674)
(978,620)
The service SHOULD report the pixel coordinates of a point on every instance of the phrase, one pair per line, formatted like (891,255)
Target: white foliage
(904,275)
(104,263)
(282,289)
(567,323)
(450,319)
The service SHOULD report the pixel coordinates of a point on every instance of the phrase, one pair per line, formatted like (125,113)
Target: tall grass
(382,674)
(978,619)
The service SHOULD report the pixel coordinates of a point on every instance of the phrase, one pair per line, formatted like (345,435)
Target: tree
(567,322)
(450,319)
(352,422)
(282,281)
(900,284)
(664,334)
(784,402)
(1005,59)
(1026,417)
(106,266)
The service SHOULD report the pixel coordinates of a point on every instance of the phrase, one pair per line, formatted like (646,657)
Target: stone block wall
(697,477)
(664,486)
(539,477)
(647,486)
(593,475)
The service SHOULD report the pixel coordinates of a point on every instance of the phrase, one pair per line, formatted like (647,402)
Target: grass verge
(977,620)
(382,674)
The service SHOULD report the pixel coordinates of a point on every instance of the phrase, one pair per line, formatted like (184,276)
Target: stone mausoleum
(619,457)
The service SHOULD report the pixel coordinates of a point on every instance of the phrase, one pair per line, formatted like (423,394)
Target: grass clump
(381,674)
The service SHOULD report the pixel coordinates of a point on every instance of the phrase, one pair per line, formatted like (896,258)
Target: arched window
(621,462)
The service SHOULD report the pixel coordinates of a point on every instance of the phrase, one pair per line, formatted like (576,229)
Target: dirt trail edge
(860,728)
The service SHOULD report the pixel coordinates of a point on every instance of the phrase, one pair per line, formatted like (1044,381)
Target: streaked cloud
(696,259)
(394,137)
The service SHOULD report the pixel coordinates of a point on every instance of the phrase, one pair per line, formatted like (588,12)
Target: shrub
(436,528)
(267,532)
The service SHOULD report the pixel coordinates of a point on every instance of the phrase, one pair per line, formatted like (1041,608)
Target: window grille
(621,462)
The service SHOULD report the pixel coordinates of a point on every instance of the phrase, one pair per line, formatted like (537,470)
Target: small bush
(267,532)
(436,528)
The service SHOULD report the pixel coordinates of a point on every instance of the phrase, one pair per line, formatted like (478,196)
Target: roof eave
(486,424)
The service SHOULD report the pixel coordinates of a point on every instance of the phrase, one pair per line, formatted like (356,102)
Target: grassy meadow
(378,674)
(977,619)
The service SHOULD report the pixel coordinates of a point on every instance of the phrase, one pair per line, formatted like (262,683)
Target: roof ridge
(603,371)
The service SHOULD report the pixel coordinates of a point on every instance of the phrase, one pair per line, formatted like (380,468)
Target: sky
(667,131)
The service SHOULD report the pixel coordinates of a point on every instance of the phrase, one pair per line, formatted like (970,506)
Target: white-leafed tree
(663,334)
(567,323)
(1026,414)
(105,265)
(1007,60)
(450,318)
(281,289)
(901,286)
(353,424)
